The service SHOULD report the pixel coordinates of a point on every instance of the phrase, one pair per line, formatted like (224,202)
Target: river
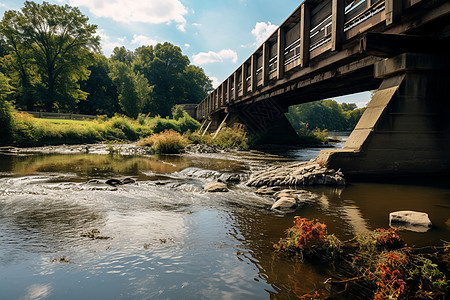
(168,239)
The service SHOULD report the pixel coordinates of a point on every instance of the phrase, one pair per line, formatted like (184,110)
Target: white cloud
(196,24)
(215,81)
(142,40)
(213,57)
(263,30)
(361,104)
(108,45)
(187,46)
(145,11)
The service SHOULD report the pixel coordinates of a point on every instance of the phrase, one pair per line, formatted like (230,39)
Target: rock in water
(410,220)
(285,203)
(113,182)
(215,187)
(128,181)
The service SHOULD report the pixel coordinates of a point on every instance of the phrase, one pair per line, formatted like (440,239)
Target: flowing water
(168,239)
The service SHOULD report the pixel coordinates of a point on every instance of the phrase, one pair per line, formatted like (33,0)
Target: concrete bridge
(329,48)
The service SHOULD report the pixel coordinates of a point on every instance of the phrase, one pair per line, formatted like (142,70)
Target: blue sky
(217,35)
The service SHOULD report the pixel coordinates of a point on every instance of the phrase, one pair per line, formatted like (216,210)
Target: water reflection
(170,239)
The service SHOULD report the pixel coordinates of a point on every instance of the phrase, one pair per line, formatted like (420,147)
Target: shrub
(6,111)
(235,137)
(123,124)
(169,141)
(159,124)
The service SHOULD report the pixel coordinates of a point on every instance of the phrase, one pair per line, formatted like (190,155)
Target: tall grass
(23,130)
(168,141)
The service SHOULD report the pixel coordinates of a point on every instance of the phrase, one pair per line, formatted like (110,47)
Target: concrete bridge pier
(265,122)
(405,130)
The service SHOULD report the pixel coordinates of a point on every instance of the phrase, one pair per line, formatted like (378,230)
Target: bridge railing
(313,29)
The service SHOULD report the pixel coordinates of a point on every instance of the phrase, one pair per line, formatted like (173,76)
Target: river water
(167,238)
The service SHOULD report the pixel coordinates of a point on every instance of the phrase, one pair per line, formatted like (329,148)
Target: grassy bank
(23,130)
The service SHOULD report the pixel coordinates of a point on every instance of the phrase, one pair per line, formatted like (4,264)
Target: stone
(113,182)
(410,220)
(230,178)
(128,181)
(267,190)
(284,203)
(215,187)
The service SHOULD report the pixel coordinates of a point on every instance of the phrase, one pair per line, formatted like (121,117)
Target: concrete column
(253,81)
(337,25)
(228,90)
(266,57)
(244,79)
(305,27)
(281,41)
(235,81)
(404,130)
(223,89)
(393,10)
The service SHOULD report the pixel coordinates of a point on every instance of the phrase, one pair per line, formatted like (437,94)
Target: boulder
(128,181)
(113,182)
(410,220)
(215,187)
(285,203)
(230,178)
(267,190)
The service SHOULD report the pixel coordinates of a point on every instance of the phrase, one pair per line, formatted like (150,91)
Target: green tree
(57,41)
(175,80)
(196,84)
(325,114)
(102,96)
(5,111)
(133,88)
(123,55)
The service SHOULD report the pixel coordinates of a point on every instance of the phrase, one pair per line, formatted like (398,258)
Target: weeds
(168,141)
(379,258)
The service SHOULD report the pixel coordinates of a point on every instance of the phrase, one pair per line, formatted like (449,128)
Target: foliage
(175,81)
(326,114)
(235,137)
(102,96)
(168,141)
(6,111)
(380,258)
(50,48)
(310,137)
(302,236)
(133,88)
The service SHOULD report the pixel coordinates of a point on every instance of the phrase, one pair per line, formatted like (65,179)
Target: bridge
(330,48)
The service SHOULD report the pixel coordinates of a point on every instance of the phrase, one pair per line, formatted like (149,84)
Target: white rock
(285,203)
(410,220)
(215,187)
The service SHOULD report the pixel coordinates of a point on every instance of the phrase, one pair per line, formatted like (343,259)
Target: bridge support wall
(265,122)
(405,130)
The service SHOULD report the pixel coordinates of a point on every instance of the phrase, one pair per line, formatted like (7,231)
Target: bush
(169,141)
(235,137)
(6,122)
(123,124)
(6,111)
(159,124)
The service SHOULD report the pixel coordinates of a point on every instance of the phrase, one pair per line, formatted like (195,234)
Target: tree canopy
(50,49)
(51,55)
(325,114)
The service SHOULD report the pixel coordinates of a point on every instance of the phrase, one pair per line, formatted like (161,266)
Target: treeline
(51,57)
(325,114)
